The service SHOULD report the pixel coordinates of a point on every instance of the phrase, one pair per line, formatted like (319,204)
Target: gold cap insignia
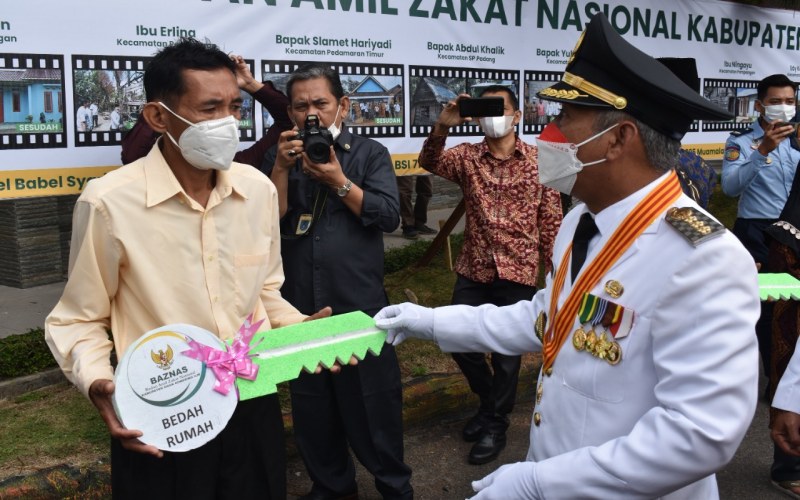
(593,90)
(562,94)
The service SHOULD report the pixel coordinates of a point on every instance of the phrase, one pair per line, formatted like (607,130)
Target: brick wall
(34,240)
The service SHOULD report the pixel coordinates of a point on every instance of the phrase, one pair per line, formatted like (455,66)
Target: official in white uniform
(785,424)
(650,371)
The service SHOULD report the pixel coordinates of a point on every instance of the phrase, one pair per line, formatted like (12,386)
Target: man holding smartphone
(758,167)
(511,224)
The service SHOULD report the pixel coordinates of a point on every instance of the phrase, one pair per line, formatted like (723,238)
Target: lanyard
(314,214)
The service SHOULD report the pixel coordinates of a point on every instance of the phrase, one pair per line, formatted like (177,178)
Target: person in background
(758,166)
(333,216)
(414,216)
(95,110)
(82,117)
(511,224)
(649,378)
(138,141)
(183,235)
(115,119)
(784,257)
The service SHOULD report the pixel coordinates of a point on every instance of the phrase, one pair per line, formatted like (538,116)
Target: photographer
(337,195)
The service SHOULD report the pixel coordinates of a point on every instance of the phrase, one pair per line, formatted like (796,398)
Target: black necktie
(580,242)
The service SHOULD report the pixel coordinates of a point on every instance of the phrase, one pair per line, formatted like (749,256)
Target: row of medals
(600,347)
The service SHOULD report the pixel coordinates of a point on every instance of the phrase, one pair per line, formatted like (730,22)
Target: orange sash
(644,214)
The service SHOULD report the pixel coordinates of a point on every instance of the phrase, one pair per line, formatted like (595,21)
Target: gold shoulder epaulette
(693,224)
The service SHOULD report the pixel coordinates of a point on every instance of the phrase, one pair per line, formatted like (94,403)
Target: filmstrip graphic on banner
(71,81)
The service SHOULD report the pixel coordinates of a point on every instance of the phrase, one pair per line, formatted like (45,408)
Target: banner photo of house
(67,99)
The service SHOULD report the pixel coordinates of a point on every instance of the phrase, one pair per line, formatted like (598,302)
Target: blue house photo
(31,101)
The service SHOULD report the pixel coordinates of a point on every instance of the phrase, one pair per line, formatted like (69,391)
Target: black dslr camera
(317,140)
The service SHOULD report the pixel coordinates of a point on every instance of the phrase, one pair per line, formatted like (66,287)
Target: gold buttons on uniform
(539,326)
(537,419)
(549,371)
(614,288)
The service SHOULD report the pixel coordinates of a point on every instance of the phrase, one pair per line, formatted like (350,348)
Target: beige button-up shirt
(144,254)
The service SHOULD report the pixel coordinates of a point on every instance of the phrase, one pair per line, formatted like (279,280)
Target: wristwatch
(342,191)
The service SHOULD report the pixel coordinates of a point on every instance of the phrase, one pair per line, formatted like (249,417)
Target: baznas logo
(157,375)
(163,359)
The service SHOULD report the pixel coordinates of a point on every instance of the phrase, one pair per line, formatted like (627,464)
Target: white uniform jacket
(676,407)
(787,395)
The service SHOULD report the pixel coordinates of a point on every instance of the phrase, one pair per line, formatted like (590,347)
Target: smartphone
(477,107)
(783,124)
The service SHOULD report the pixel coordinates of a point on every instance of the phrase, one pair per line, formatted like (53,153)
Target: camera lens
(316,140)
(317,149)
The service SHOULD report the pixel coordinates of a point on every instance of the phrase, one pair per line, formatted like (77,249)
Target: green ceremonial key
(281,354)
(778,287)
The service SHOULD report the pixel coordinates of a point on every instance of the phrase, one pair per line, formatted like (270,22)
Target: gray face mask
(209,144)
(559,165)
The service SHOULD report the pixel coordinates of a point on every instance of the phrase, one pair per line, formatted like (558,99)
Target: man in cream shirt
(183,235)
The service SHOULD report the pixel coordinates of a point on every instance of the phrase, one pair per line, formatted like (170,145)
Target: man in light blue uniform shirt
(758,167)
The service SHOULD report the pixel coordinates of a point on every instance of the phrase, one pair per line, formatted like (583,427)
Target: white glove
(509,481)
(405,320)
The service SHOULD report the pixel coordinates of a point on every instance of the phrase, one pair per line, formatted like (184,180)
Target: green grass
(47,426)
(25,354)
(723,207)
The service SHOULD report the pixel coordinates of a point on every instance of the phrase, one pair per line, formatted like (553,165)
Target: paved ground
(437,456)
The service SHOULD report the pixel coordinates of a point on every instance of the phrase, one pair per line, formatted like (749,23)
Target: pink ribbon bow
(231,363)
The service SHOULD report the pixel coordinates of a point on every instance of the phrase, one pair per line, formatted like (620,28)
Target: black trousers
(416,214)
(751,233)
(246,460)
(496,387)
(361,407)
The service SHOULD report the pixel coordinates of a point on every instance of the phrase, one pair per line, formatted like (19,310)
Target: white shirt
(787,395)
(81,114)
(115,119)
(676,407)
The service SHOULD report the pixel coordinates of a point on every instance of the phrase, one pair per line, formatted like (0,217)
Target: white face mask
(779,112)
(497,126)
(558,159)
(210,144)
(333,129)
